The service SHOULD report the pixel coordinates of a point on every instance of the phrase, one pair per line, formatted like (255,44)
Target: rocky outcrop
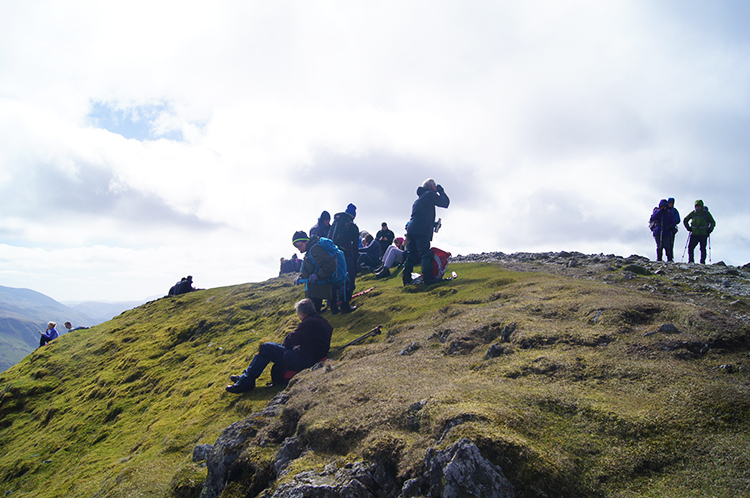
(459,470)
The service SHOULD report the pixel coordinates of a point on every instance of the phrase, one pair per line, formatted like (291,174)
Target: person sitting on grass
(48,335)
(302,348)
(369,255)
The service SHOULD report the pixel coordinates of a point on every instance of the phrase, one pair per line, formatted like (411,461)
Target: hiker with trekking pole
(699,223)
(662,227)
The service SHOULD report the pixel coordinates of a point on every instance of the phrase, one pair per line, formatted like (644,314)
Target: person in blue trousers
(301,348)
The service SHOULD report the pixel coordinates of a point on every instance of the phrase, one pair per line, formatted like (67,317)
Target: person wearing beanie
(420,229)
(700,224)
(661,227)
(317,267)
(323,226)
(345,234)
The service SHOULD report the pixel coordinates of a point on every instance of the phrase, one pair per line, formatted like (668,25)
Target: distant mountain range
(23,312)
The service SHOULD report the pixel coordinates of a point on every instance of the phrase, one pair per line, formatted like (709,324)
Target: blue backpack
(340,276)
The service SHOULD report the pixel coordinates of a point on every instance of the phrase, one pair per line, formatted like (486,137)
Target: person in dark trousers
(420,229)
(369,255)
(323,226)
(700,224)
(345,234)
(302,348)
(675,221)
(384,237)
(662,229)
(317,267)
(48,335)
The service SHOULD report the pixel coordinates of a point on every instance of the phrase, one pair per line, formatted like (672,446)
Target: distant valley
(23,312)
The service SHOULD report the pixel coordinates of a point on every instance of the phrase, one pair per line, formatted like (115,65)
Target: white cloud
(552,126)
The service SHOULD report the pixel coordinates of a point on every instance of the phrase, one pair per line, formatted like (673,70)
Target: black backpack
(340,229)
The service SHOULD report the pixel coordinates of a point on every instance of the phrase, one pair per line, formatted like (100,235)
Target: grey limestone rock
(459,470)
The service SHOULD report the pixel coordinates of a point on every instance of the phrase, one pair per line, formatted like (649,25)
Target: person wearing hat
(323,226)
(420,229)
(345,234)
(316,268)
(700,224)
(661,227)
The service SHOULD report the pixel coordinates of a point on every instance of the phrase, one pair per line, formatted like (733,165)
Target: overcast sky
(144,141)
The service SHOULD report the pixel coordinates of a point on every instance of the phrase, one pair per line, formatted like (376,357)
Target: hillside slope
(564,375)
(23,312)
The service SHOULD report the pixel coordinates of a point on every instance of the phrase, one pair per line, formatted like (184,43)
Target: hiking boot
(334,308)
(383,273)
(245,387)
(234,378)
(347,308)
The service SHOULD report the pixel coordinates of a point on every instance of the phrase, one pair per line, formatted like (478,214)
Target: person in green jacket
(700,224)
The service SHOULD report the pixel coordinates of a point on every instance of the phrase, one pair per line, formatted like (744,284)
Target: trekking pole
(709,249)
(687,242)
(372,333)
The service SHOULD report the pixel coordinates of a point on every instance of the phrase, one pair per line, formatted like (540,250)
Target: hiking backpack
(440,262)
(339,276)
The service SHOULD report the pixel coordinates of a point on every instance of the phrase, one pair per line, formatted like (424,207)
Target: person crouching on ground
(302,348)
(48,335)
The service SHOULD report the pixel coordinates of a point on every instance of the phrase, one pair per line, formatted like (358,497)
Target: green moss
(583,402)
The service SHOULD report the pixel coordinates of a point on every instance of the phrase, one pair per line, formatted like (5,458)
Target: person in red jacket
(302,348)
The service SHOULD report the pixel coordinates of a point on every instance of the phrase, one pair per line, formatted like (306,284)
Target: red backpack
(440,262)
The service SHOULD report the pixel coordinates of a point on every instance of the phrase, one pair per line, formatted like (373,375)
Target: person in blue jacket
(369,255)
(420,229)
(48,335)
(661,224)
(323,226)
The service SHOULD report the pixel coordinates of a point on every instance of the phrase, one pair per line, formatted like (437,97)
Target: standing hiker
(302,348)
(420,229)
(317,266)
(675,220)
(345,234)
(700,227)
(323,226)
(661,227)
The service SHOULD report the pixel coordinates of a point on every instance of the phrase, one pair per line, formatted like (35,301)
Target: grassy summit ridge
(583,395)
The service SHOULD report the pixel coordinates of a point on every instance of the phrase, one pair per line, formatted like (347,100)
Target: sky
(144,141)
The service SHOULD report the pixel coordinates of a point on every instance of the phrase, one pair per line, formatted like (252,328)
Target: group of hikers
(50,334)
(184,286)
(663,224)
(332,254)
